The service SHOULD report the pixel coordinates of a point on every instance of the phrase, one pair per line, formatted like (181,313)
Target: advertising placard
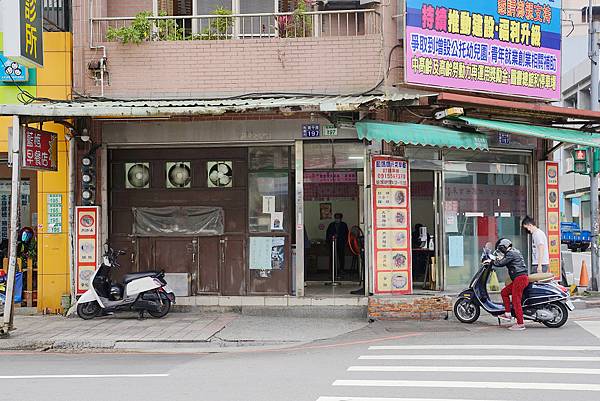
(510,47)
(391,223)
(553,217)
(87,241)
(40,150)
(23,31)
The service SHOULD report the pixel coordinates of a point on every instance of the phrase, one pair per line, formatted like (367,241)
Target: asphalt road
(442,360)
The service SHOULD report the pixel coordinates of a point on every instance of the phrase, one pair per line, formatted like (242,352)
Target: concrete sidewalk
(198,332)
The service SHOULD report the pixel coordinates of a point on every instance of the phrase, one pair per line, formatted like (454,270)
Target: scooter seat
(535,277)
(134,276)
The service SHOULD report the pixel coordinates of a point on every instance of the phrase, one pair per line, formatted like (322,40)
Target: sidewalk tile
(299,301)
(230,301)
(207,300)
(253,301)
(276,301)
(345,301)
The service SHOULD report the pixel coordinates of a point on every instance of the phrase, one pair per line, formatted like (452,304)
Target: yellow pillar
(54,81)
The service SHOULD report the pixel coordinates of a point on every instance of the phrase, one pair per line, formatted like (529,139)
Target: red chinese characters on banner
(553,216)
(391,224)
(40,150)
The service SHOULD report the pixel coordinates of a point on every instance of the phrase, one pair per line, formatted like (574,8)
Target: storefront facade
(464,198)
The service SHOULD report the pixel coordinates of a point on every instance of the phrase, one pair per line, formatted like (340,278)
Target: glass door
(480,208)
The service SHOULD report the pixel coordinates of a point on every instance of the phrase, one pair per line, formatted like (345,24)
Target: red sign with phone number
(40,150)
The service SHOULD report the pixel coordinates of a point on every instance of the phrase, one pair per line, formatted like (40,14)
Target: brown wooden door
(173,255)
(209,257)
(233,265)
(176,255)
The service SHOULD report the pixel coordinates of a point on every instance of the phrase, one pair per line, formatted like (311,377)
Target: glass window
(421,153)
(480,208)
(334,155)
(268,177)
(271,183)
(486,157)
(207,7)
(268,158)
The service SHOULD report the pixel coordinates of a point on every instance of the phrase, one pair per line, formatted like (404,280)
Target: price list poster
(391,215)
(553,216)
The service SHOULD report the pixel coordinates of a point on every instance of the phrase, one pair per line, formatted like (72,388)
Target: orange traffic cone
(584,280)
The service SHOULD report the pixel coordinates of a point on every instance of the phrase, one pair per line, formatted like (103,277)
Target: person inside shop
(420,253)
(338,230)
(512,259)
(540,257)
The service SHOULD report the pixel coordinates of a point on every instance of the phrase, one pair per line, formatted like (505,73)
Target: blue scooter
(543,301)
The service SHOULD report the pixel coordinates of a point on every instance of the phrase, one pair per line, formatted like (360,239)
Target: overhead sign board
(40,150)
(509,47)
(23,31)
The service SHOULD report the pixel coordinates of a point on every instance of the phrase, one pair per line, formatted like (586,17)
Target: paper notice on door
(451,222)
(456,251)
(268,204)
(277,221)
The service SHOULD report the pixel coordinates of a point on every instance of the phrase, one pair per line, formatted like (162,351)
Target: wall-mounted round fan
(179,175)
(137,175)
(220,174)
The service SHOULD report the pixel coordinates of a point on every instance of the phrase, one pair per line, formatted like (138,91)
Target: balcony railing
(57,15)
(241,26)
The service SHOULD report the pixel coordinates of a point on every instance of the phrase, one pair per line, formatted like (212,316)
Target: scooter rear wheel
(466,310)
(561,314)
(164,310)
(88,310)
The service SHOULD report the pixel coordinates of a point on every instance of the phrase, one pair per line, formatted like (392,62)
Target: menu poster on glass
(391,211)
(553,217)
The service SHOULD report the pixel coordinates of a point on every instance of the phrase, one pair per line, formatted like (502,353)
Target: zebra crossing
(471,372)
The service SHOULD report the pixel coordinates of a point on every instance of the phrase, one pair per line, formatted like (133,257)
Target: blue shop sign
(11,71)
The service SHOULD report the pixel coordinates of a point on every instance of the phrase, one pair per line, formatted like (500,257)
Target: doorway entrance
(333,210)
(423,194)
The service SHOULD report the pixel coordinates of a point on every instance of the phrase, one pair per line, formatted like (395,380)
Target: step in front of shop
(409,307)
(281,306)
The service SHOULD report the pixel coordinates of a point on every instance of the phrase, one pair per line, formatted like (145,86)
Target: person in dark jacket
(338,230)
(517,270)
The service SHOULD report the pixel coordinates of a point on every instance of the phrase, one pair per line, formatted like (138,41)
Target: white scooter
(140,292)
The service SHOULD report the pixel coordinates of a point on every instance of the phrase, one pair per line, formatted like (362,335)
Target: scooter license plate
(570,305)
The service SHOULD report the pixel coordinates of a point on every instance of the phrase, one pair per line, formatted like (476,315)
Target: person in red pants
(517,270)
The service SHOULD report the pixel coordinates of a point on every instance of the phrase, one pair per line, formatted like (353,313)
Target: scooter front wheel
(466,310)
(88,310)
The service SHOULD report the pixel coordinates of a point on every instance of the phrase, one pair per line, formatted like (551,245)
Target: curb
(217,346)
(581,303)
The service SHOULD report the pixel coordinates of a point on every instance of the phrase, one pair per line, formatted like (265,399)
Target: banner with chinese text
(40,150)
(553,217)
(510,47)
(22,23)
(391,226)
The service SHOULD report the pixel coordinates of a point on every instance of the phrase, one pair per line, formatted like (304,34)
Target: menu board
(553,216)
(391,223)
